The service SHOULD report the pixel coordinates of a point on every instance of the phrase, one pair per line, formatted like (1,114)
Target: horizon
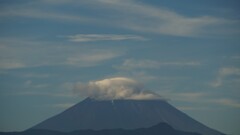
(54,53)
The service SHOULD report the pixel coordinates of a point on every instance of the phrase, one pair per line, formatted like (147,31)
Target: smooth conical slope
(126,114)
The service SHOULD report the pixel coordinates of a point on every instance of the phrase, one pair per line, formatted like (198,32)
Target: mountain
(159,129)
(125,114)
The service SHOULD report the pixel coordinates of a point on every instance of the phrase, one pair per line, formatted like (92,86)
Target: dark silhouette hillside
(159,129)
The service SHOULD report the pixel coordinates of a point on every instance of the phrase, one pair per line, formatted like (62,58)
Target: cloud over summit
(115,88)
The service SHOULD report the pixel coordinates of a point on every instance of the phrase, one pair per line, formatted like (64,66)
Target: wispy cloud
(131,15)
(146,18)
(188,96)
(223,73)
(30,84)
(93,57)
(142,64)
(103,37)
(15,54)
(47,94)
(115,88)
(140,76)
(11,64)
(130,64)
(41,14)
(203,98)
(227,102)
(139,69)
(229,71)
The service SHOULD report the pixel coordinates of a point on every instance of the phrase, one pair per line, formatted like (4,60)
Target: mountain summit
(126,114)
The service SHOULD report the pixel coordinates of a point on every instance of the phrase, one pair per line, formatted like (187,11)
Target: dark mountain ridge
(159,129)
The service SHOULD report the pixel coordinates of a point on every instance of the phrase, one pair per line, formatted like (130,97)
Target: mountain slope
(159,129)
(126,114)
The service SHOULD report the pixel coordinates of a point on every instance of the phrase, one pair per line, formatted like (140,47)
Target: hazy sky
(186,51)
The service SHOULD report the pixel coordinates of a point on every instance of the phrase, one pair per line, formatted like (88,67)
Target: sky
(186,51)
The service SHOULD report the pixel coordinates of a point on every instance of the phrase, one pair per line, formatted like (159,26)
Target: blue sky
(186,51)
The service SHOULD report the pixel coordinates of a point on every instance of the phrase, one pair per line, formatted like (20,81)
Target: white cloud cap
(115,88)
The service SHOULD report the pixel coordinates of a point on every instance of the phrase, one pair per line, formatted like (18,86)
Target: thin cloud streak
(15,55)
(130,64)
(227,102)
(50,15)
(11,64)
(93,57)
(203,98)
(187,96)
(103,37)
(191,108)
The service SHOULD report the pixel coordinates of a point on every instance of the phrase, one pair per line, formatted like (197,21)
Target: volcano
(122,114)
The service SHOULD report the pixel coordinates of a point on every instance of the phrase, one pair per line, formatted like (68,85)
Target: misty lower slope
(159,129)
(126,114)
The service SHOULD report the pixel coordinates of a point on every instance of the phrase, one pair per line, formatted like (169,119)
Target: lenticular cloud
(115,88)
